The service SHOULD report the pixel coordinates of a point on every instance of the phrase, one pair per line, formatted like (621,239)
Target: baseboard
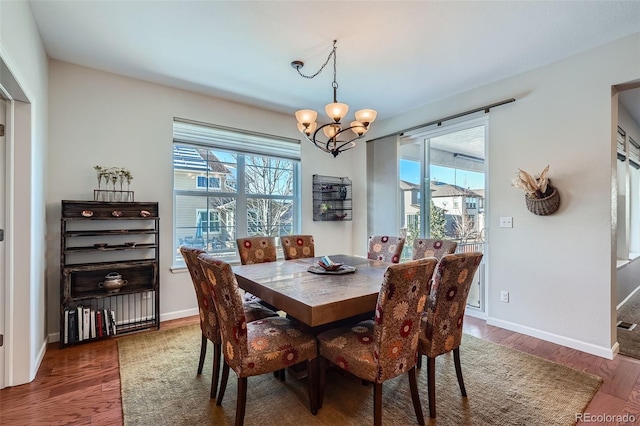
(603,352)
(476,313)
(626,299)
(179,314)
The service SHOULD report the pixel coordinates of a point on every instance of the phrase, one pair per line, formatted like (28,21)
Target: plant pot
(544,206)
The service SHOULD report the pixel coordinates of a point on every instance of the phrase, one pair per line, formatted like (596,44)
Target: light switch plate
(506,222)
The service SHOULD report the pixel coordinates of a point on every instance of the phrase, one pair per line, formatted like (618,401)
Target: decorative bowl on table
(332,267)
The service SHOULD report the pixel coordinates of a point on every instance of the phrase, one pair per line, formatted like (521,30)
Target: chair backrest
(447,302)
(428,247)
(399,309)
(256,249)
(208,319)
(297,246)
(385,248)
(233,322)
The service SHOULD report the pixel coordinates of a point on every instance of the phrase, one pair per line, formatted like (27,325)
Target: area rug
(504,387)
(629,340)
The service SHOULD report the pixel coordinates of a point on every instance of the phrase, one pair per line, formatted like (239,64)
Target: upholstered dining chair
(441,328)
(385,248)
(260,249)
(385,347)
(254,348)
(428,247)
(297,246)
(208,319)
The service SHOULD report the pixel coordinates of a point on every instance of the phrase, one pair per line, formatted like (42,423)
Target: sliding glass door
(442,186)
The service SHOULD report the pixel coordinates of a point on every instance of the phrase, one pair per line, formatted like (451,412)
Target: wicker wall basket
(544,206)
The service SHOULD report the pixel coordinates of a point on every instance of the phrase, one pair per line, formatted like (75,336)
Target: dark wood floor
(80,385)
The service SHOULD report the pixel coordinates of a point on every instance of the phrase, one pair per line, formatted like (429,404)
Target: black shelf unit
(97,238)
(331,198)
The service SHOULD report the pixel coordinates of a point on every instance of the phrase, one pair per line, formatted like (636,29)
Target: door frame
(5,108)
(425,135)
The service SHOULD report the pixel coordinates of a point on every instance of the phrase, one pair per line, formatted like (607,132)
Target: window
(471,202)
(202,182)
(207,221)
(229,184)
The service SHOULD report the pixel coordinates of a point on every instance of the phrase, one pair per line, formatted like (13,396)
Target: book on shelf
(92,323)
(112,317)
(65,328)
(73,326)
(86,323)
(80,321)
(99,325)
(105,322)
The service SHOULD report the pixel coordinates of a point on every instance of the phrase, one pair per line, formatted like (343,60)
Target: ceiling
(392,56)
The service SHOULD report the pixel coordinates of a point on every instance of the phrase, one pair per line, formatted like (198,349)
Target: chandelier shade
(339,138)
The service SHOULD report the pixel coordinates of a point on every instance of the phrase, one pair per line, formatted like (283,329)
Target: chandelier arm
(332,53)
(315,143)
(343,143)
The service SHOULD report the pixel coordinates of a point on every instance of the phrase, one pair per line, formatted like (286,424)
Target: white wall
(98,118)
(559,269)
(25,326)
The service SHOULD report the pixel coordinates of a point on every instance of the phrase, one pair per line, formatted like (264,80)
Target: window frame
(240,194)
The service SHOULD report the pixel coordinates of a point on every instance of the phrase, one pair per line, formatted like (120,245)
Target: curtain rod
(439,121)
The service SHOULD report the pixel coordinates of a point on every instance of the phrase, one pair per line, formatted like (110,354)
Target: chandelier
(338,137)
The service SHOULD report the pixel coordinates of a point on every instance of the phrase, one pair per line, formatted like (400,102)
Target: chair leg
(217,352)
(413,385)
(322,373)
(223,383)
(431,384)
(312,373)
(241,404)
(419,364)
(377,404)
(456,361)
(279,374)
(203,353)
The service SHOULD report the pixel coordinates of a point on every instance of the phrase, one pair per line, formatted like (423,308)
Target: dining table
(316,300)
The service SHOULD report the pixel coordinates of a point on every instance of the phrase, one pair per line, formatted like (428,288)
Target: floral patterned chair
(428,247)
(386,346)
(297,246)
(208,320)
(252,250)
(441,328)
(387,249)
(259,249)
(254,348)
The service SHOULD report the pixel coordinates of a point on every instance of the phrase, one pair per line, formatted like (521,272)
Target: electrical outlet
(504,296)
(506,222)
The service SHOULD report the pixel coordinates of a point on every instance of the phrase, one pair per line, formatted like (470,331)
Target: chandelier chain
(332,53)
